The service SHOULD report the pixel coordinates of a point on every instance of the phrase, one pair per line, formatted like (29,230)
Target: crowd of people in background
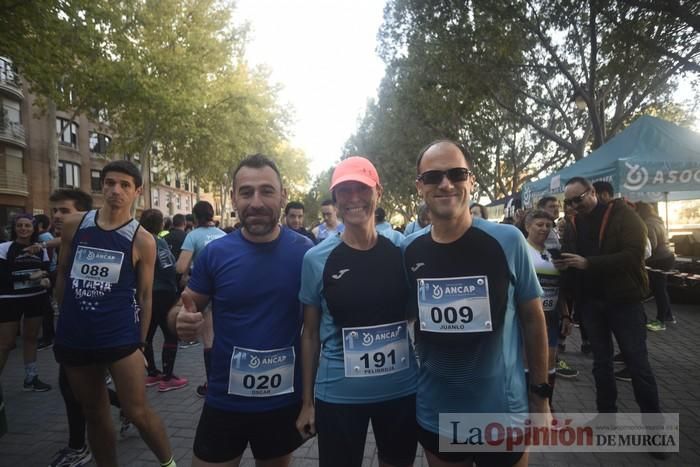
(96,259)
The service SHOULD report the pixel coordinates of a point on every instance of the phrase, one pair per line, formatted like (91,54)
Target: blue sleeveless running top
(99,308)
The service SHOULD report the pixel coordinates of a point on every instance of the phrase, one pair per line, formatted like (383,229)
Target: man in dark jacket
(610,282)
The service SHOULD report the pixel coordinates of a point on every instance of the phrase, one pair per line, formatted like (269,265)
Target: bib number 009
(262,381)
(94,270)
(379,359)
(451,314)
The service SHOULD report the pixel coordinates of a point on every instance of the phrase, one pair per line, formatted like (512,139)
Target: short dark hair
(81,200)
(203,212)
(461,148)
(152,220)
(546,199)
(42,221)
(189,218)
(125,167)
(604,187)
(257,161)
(178,220)
(167,223)
(379,215)
(581,180)
(327,202)
(293,205)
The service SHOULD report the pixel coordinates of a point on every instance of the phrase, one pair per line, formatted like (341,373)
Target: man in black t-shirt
(176,235)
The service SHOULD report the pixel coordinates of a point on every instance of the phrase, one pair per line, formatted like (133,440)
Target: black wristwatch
(544,390)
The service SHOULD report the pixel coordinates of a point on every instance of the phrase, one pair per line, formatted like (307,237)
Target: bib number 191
(379,359)
(451,315)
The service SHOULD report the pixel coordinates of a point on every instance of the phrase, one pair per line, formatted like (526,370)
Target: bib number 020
(379,359)
(262,381)
(94,270)
(451,315)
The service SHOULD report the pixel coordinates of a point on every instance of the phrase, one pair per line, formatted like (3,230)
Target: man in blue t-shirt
(252,278)
(474,292)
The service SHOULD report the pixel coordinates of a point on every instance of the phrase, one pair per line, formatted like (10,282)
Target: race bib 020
(376,350)
(454,305)
(261,373)
(96,264)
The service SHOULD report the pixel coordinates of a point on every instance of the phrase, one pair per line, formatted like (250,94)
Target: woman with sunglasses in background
(23,291)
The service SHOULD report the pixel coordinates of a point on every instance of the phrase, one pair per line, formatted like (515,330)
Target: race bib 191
(376,350)
(454,305)
(261,373)
(96,264)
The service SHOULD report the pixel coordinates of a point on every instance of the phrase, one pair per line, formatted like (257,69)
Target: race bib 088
(96,264)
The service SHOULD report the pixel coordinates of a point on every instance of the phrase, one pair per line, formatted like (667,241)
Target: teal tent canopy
(651,160)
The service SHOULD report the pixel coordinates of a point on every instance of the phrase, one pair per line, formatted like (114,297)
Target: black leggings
(76,419)
(163,301)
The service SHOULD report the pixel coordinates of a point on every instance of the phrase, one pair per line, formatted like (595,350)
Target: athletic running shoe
(202,390)
(565,371)
(153,380)
(656,326)
(624,375)
(108,380)
(36,385)
(171,384)
(68,457)
(43,345)
(586,348)
(618,359)
(126,428)
(672,320)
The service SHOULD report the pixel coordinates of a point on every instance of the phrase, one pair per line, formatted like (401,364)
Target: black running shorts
(223,436)
(431,443)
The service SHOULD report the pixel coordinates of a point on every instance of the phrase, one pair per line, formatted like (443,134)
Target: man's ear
(283,200)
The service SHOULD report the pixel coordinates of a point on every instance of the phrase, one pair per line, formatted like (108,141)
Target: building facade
(83,146)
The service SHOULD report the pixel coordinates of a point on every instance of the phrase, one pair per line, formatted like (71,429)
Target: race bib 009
(454,305)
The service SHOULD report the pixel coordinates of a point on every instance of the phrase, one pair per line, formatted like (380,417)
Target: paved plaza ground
(38,427)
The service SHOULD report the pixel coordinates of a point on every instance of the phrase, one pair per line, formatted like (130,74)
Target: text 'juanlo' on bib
(376,350)
(454,305)
(261,373)
(96,264)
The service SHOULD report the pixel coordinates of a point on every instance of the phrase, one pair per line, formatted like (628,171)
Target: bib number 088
(262,381)
(94,270)
(451,315)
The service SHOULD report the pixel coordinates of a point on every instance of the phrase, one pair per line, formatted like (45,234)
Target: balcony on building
(13,133)
(9,79)
(13,184)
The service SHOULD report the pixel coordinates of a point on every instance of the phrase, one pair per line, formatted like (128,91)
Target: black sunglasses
(434,177)
(576,199)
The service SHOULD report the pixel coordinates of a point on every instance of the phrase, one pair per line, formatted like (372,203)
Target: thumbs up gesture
(189,321)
